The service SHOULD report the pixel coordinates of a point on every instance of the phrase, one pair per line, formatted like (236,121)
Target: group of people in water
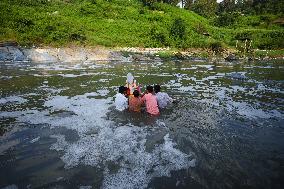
(130,97)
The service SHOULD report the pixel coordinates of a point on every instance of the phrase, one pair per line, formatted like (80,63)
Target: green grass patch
(269,53)
(165,54)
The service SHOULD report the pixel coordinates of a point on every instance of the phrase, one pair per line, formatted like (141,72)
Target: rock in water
(231,57)
(11,53)
(4,54)
(237,75)
(17,54)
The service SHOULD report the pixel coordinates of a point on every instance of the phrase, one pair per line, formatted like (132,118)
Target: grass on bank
(124,23)
(269,53)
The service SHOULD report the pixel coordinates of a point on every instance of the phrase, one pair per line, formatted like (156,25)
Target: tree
(254,7)
(205,8)
(151,2)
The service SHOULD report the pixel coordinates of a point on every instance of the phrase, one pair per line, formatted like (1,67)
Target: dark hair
(136,93)
(149,88)
(121,89)
(157,88)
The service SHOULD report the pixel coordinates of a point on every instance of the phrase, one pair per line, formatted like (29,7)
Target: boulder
(11,53)
(5,54)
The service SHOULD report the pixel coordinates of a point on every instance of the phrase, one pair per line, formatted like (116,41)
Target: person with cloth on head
(130,84)
(121,102)
(151,101)
(162,98)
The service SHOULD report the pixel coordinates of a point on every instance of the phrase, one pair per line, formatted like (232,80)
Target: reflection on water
(59,128)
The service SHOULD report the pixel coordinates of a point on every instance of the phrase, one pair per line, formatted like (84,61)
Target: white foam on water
(85,187)
(238,88)
(103,92)
(89,112)
(13,100)
(244,109)
(180,75)
(61,143)
(94,66)
(160,123)
(204,66)
(101,141)
(59,178)
(103,80)
(186,88)
(142,166)
(261,87)
(212,77)
(221,93)
(189,68)
(69,75)
(43,75)
(177,85)
(13,186)
(6,77)
(51,90)
(124,145)
(35,140)
(31,94)
(190,78)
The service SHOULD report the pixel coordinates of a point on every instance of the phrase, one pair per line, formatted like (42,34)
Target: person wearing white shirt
(162,98)
(121,102)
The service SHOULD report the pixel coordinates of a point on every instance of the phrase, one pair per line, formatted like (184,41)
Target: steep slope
(116,23)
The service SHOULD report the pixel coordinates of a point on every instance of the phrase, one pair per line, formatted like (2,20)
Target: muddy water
(59,128)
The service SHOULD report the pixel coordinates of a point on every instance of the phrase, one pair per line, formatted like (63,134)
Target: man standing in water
(151,101)
(162,98)
(121,102)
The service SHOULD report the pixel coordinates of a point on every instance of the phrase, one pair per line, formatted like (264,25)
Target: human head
(157,88)
(149,89)
(136,93)
(121,89)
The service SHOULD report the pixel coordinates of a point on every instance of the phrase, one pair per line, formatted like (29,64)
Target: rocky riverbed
(10,51)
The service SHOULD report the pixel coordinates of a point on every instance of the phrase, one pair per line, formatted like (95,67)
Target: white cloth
(163,99)
(121,102)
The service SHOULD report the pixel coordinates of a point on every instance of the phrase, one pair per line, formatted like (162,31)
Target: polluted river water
(60,129)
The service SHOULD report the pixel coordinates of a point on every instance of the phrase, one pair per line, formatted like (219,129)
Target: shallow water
(59,128)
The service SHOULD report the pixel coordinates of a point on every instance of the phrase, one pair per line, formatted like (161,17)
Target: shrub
(178,29)
(77,37)
(200,29)
(216,47)
(160,36)
(226,19)
(263,39)
(243,35)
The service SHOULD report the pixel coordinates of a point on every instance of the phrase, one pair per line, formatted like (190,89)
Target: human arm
(169,99)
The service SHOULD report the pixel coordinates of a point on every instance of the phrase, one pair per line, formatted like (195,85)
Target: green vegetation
(130,23)
(269,53)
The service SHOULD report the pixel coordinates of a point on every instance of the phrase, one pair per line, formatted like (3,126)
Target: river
(59,127)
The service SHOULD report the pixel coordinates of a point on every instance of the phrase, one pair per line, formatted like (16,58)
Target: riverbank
(129,23)
(12,52)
